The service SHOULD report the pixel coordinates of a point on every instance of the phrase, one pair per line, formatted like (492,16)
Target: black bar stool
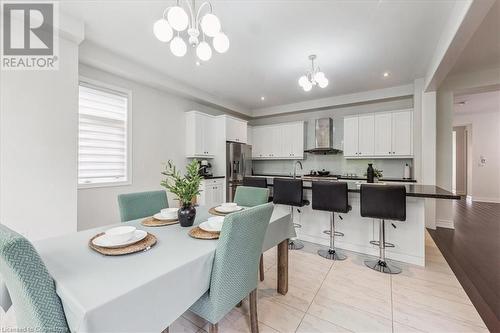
(331,197)
(256,182)
(383,202)
(289,192)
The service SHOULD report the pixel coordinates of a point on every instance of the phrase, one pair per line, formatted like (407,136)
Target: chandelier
(315,77)
(199,29)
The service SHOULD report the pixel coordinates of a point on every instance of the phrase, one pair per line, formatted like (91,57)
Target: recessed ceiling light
(387,74)
(262,98)
(198,63)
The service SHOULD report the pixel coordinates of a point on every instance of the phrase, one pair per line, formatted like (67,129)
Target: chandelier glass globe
(177,18)
(210,25)
(162,30)
(178,47)
(221,43)
(307,86)
(323,83)
(203,51)
(303,80)
(319,76)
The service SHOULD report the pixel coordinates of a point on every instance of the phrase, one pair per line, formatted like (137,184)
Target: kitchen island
(408,236)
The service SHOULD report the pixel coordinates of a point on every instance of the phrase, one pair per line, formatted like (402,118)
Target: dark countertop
(388,179)
(412,190)
(213,177)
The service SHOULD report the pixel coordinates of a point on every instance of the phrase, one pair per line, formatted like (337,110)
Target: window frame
(113,89)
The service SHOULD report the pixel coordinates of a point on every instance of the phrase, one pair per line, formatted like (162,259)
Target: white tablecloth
(143,292)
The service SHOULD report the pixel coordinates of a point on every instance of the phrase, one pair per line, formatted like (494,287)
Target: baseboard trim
(445,223)
(485,199)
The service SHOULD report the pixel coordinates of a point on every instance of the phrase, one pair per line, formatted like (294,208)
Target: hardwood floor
(472,250)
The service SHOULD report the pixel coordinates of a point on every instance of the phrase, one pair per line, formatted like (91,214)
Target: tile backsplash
(336,164)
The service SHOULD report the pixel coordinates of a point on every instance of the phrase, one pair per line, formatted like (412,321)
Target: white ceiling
(356,41)
(480,102)
(483,49)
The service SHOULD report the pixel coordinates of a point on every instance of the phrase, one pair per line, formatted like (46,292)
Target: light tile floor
(346,296)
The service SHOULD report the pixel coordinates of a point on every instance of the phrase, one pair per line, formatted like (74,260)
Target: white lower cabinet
(211,192)
(279,141)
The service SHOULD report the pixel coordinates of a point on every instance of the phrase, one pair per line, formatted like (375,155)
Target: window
(103,143)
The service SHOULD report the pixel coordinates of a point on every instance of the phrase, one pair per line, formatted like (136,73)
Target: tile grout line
(321,285)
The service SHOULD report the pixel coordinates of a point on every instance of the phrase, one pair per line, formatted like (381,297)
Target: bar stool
(331,197)
(256,182)
(383,202)
(289,192)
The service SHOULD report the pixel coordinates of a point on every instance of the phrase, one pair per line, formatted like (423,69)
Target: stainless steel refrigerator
(239,164)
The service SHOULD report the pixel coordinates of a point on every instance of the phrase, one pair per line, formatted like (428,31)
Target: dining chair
(31,288)
(250,196)
(234,272)
(141,204)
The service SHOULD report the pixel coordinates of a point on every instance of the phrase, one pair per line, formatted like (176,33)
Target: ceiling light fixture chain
(314,77)
(176,18)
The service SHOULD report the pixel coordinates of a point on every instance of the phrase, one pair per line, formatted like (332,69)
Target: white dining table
(146,291)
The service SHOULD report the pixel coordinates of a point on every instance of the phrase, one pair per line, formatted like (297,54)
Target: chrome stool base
(382,266)
(295,244)
(332,255)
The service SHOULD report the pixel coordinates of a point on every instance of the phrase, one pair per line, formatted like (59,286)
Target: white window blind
(102,135)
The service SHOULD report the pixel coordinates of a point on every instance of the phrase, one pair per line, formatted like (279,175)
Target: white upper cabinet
(402,133)
(200,138)
(236,129)
(351,136)
(280,141)
(385,134)
(366,131)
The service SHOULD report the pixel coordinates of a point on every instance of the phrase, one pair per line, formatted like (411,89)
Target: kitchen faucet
(295,168)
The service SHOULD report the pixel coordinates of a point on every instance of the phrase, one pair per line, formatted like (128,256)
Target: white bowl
(121,234)
(229,204)
(169,213)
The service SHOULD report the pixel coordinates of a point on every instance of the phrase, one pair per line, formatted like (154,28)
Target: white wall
(485,137)
(157,136)
(38,147)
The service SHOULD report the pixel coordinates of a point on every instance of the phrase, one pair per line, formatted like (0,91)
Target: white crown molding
(98,57)
(70,28)
(464,20)
(359,97)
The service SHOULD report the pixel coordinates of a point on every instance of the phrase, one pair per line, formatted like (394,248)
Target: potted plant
(185,188)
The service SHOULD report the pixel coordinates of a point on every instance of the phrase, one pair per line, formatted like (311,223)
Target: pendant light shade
(221,43)
(177,18)
(210,25)
(314,77)
(203,51)
(178,47)
(163,31)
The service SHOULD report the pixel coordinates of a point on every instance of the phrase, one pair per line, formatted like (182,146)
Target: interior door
(402,133)
(351,136)
(366,134)
(383,134)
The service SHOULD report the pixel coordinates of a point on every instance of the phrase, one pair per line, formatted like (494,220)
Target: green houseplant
(185,188)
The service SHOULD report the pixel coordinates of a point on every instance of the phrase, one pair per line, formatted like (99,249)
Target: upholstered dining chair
(141,204)
(31,288)
(250,196)
(234,272)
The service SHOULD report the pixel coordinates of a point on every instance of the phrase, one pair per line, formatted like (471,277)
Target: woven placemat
(199,233)
(214,212)
(143,245)
(152,222)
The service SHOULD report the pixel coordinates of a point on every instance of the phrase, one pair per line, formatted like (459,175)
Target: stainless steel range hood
(323,143)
